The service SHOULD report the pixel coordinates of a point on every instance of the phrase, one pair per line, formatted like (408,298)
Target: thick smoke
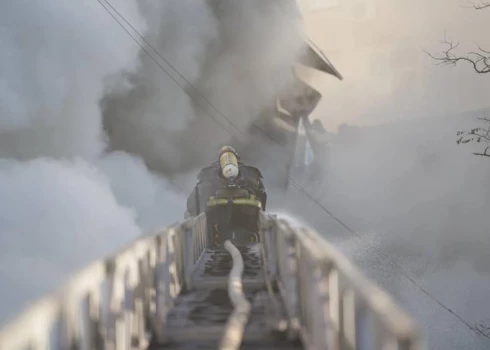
(419,204)
(62,204)
(55,217)
(77,93)
(150,195)
(152,117)
(237,54)
(411,182)
(52,76)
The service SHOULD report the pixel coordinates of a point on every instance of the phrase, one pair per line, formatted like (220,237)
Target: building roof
(313,57)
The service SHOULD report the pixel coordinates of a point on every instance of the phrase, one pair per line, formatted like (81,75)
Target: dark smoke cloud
(238,55)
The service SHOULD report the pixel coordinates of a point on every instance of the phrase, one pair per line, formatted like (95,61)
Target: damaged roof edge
(315,58)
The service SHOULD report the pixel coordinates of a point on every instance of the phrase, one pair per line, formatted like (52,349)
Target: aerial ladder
(171,289)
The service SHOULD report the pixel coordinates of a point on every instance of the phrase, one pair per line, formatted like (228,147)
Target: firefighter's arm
(264,199)
(262,193)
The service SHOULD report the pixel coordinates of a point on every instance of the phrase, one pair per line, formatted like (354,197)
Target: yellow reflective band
(213,202)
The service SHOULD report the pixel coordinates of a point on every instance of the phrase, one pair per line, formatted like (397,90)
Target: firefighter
(235,194)
(244,176)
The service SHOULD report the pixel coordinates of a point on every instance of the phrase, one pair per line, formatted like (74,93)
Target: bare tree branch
(478,6)
(483,328)
(480,60)
(477,135)
(484,154)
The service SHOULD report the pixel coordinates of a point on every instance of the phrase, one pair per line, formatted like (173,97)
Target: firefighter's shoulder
(208,172)
(252,171)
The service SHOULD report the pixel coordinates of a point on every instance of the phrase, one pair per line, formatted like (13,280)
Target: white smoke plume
(58,211)
(54,62)
(67,197)
(413,184)
(55,217)
(423,201)
(150,195)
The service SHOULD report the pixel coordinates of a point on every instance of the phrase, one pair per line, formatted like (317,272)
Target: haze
(418,201)
(98,145)
(380,53)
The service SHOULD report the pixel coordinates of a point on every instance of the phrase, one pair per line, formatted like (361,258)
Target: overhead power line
(101,2)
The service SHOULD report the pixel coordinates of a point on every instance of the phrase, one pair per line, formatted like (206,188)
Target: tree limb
(480,6)
(478,135)
(480,60)
(484,154)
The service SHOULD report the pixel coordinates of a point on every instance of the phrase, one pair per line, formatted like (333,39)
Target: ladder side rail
(114,302)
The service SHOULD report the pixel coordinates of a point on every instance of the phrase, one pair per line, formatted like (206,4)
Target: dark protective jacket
(211,179)
(249,177)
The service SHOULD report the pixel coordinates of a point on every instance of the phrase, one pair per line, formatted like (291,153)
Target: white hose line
(235,327)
